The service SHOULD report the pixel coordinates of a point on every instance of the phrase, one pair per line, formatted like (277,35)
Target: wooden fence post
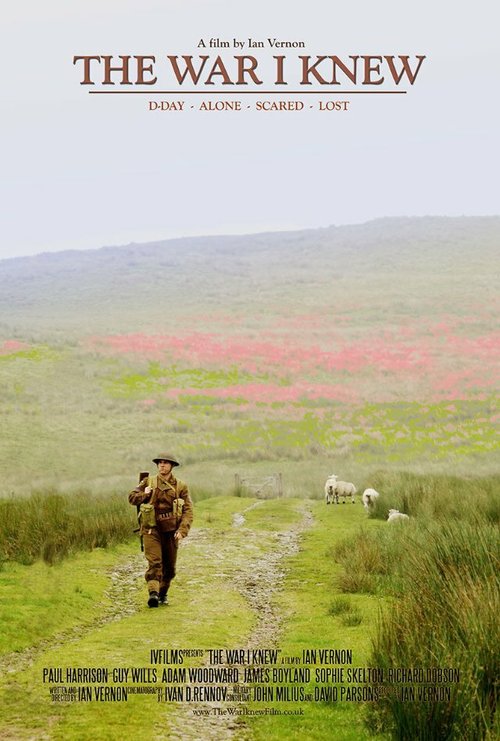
(280,485)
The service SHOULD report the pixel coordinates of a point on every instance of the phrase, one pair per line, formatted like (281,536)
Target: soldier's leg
(169,559)
(153,553)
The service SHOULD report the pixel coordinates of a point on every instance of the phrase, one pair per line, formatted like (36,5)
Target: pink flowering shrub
(414,362)
(268,392)
(11,346)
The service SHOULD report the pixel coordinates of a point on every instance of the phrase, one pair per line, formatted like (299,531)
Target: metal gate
(267,487)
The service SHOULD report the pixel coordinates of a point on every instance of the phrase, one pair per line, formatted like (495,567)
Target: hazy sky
(84,171)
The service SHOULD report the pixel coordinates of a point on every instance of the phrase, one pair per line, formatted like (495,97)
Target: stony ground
(258,577)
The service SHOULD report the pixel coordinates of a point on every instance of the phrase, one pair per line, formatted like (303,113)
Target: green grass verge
(39,601)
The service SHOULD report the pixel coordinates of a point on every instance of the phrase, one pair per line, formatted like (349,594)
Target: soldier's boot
(153,599)
(162,597)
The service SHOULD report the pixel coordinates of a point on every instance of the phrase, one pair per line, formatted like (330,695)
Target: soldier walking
(165,516)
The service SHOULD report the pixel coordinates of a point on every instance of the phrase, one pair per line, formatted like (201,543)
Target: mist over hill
(406,264)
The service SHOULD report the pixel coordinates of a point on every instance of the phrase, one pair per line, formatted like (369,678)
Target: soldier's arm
(187,512)
(139,495)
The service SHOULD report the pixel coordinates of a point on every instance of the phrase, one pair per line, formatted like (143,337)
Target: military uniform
(173,513)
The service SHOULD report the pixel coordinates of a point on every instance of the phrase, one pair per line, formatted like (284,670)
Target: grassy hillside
(348,349)
(382,270)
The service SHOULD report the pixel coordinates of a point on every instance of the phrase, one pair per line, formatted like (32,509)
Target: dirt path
(258,579)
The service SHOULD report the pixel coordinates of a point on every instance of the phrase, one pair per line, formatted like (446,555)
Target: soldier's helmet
(166,457)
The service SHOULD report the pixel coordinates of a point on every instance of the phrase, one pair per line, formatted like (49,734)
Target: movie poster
(248,273)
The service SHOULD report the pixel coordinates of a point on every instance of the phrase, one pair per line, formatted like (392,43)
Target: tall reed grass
(441,569)
(437,496)
(447,617)
(50,525)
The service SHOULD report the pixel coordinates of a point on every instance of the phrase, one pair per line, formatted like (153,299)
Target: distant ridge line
(273,234)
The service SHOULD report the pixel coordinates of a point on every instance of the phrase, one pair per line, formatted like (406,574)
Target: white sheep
(330,488)
(345,489)
(396,516)
(369,497)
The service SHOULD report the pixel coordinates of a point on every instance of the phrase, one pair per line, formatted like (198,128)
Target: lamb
(369,497)
(330,488)
(396,516)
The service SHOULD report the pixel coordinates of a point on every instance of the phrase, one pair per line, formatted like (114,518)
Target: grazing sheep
(396,516)
(344,489)
(330,488)
(369,497)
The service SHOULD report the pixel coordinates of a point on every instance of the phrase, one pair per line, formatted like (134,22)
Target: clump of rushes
(339,606)
(448,618)
(52,525)
(352,618)
(371,559)
(356,582)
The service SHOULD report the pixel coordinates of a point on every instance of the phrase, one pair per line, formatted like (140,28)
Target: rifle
(142,476)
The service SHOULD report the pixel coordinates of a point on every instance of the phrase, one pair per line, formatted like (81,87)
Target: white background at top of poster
(82,171)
